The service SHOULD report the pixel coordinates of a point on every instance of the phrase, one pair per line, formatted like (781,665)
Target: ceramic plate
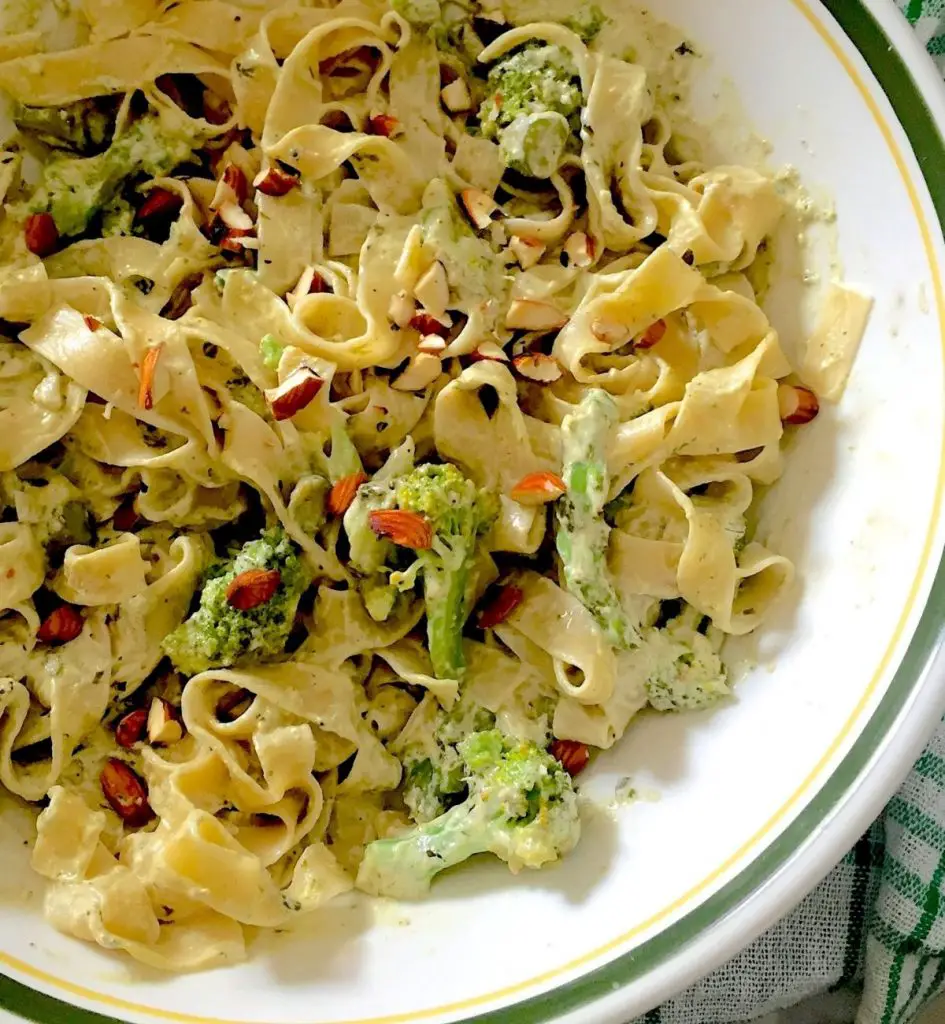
(741,811)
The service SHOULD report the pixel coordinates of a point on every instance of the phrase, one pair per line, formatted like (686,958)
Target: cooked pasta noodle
(383,405)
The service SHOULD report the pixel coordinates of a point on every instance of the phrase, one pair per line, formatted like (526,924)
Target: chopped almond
(798,405)
(421,371)
(159,203)
(125,517)
(309,283)
(163,724)
(60,626)
(343,493)
(456,96)
(126,792)
(610,332)
(538,489)
(231,188)
(534,315)
(251,588)
(480,207)
(580,250)
(653,335)
(528,251)
(500,607)
(401,309)
(432,290)
(385,125)
(538,367)
(238,241)
(432,344)
(294,393)
(235,217)
(427,324)
(92,323)
(276,181)
(148,370)
(405,529)
(489,350)
(572,755)
(41,234)
(130,728)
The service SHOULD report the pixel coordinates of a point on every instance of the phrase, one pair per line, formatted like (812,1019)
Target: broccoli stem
(444,594)
(582,534)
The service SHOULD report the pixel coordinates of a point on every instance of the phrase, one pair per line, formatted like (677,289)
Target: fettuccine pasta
(384,401)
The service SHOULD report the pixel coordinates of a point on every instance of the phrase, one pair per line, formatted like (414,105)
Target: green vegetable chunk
(459,514)
(687,673)
(582,534)
(81,126)
(533,108)
(75,189)
(218,635)
(270,351)
(521,808)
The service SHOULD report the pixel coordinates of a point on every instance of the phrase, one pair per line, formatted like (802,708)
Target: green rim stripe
(920,126)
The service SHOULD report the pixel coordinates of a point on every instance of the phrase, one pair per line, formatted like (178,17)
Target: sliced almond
(425,323)
(343,493)
(798,405)
(248,590)
(231,188)
(534,315)
(580,249)
(653,335)
(149,366)
(385,125)
(163,724)
(528,251)
(160,203)
(432,291)
(294,393)
(610,332)
(538,367)
(235,217)
(406,529)
(490,350)
(238,241)
(401,309)
(276,181)
(456,96)
(421,371)
(92,323)
(538,489)
(432,344)
(310,283)
(480,207)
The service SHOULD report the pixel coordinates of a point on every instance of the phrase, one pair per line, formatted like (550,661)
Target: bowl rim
(778,878)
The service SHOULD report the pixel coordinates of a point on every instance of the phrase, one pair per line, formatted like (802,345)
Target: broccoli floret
(459,514)
(270,351)
(687,672)
(533,108)
(587,22)
(521,807)
(217,634)
(82,127)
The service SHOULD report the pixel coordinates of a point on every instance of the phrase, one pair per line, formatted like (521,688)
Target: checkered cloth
(869,941)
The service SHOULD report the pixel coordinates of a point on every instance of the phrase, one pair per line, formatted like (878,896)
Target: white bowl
(752,804)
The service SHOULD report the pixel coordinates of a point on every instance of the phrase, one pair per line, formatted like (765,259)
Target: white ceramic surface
(859,512)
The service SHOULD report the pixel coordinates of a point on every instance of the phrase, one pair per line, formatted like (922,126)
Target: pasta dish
(385,399)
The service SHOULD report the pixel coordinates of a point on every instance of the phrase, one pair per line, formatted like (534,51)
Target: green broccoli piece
(81,127)
(687,672)
(587,22)
(459,514)
(419,13)
(521,807)
(219,635)
(75,189)
(582,534)
(270,351)
(533,108)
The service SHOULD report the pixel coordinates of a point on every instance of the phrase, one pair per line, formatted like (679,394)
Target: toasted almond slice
(653,335)
(160,202)
(422,370)
(251,588)
(276,181)
(528,251)
(798,405)
(425,323)
(309,283)
(480,207)
(401,309)
(126,792)
(572,754)
(343,493)
(580,249)
(93,323)
(294,393)
(610,332)
(456,96)
(231,188)
(60,626)
(534,315)
(538,489)
(385,125)
(500,607)
(538,367)
(235,217)
(432,344)
(163,724)
(405,529)
(130,728)
(41,234)
(149,366)
(432,291)
(489,350)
